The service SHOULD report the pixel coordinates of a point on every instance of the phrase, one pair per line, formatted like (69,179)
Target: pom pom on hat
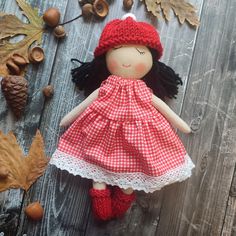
(128,31)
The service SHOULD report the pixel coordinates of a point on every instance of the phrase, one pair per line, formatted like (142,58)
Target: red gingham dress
(121,139)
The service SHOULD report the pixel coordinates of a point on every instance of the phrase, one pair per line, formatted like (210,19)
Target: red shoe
(121,202)
(101,203)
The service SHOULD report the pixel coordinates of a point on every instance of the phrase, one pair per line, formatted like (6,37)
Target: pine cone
(15,91)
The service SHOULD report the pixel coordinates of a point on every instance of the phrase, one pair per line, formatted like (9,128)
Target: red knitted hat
(128,31)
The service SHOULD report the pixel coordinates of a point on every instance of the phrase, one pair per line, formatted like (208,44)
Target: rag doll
(121,136)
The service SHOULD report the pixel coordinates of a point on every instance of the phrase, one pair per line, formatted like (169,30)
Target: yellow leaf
(22,171)
(11,26)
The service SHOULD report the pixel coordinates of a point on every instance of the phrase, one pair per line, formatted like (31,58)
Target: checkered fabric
(121,132)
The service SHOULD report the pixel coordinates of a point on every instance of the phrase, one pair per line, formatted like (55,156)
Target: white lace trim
(137,181)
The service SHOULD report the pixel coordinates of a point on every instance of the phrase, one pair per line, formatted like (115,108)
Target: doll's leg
(121,201)
(101,201)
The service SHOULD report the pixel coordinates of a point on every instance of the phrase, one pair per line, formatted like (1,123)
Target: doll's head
(125,42)
(129,61)
(129,49)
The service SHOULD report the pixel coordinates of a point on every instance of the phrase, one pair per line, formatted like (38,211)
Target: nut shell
(4,172)
(101,8)
(52,16)
(34,211)
(12,67)
(59,31)
(128,4)
(87,10)
(36,54)
(48,91)
(19,60)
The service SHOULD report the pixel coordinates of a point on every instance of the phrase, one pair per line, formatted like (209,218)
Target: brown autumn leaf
(182,9)
(153,7)
(22,170)
(11,26)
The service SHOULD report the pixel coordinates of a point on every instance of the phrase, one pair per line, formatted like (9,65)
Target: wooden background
(206,60)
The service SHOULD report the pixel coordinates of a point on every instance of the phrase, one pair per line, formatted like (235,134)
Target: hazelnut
(59,32)
(36,54)
(87,10)
(19,60)
(128,4)
(51,16)
(34,211)
(48,91)
(101,8)
(12,67)
(4,172)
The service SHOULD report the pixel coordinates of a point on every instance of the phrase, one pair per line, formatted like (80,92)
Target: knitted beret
(128,31)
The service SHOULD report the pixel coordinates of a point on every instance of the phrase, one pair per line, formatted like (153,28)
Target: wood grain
(38,77)
(199,207)
(205,58)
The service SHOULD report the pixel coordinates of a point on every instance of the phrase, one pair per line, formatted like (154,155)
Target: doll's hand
(64,122)
(171,116)
(185,128)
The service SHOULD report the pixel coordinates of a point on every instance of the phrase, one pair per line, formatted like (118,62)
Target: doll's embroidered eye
(140,52)
(117,47)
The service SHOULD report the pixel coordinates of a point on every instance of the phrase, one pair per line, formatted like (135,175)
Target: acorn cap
(52,16)
(59,31)
(101,8)
(12,67)
(36,54)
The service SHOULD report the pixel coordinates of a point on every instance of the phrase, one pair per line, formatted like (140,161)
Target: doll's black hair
(161,78)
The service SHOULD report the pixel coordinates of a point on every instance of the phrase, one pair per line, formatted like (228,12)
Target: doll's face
(129,61)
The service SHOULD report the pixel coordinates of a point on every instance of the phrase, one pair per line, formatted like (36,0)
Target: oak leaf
(182,9)
(11,26)
(22,170)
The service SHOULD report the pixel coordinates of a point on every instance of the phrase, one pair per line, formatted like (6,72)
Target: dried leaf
(153,7)
(182,9)
(11,26)
(23,171)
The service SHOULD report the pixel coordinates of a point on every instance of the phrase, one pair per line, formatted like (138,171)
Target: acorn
(4,172)
(128,4)
(36,54)
(12,67)
(101,8)
(59,31)
(81,2)
(34,211)
(19,60)
(48,91)
(51,16)
(87,10)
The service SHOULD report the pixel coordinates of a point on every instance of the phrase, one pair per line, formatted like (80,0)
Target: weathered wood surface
(206,59)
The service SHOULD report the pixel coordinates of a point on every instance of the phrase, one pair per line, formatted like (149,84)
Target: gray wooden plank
(64,197)
(199,207)
(228,227)
(38,76)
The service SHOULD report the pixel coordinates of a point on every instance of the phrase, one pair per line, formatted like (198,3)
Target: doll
(121,135)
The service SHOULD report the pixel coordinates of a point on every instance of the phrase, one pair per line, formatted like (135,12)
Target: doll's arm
(171,116)
(72,115)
